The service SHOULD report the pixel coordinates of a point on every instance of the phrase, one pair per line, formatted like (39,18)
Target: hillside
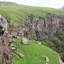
(35,23)
(16,13)
(33,53)
(49,19)
(3,3)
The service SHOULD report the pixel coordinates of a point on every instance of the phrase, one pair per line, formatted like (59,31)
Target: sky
(41,3)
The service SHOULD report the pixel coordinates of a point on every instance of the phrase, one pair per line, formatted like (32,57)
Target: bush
(60,34)
(11,27)
(31,17)
(25,33)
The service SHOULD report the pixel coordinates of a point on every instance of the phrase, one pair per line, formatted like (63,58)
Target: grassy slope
(17,13)
(33,53)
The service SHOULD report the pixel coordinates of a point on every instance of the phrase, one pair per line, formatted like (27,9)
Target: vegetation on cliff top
(16,13)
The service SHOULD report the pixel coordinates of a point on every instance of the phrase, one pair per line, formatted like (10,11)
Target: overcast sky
(42,3)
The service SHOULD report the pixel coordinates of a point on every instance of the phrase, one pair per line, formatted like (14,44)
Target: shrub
(25,33)
(11,27)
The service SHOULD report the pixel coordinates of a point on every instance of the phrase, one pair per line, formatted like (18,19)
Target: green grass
(16,13)
(33,53)
(48,42)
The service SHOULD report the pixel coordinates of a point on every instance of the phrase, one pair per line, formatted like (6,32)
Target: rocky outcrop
(17,31)
(19,54)
(5,42)
(3,22)
(39,28)
(24,40)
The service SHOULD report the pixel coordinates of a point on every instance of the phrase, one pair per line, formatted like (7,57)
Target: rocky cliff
(40,28)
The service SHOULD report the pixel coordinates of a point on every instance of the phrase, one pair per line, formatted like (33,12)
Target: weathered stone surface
(0,40)
(18,31)
(24,40)
(18,37)
(5,43)
(21,55)
(39,42)
(1,57)
(45,58)
(13,48)
(3,22)
(40,28)
(14,34)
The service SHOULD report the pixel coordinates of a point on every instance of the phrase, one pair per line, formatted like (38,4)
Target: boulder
(14,34)
(45,58)
(18,37)
(39,42)
(13,47)
(21,55)
(24,40)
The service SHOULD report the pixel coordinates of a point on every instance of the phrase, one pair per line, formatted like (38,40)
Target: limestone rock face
(24,40)
(3,22)
(40,28)
(18,31)
(5,42)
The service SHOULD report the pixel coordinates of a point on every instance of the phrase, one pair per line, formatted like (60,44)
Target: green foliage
(11,27)
(25,33)
(31,17)
(33,53)
(17,13)
(60,35)
(6,15)
(54,43)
